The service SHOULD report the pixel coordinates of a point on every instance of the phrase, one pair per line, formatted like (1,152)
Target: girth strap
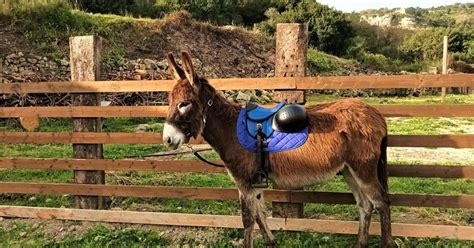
(260,178)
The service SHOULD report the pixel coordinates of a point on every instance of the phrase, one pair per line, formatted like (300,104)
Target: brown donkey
(346,136)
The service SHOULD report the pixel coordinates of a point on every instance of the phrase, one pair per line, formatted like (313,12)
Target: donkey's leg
(373,190)
(249,213)
(262,220)
(365,208)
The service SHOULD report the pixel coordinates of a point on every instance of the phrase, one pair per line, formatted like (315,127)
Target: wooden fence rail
(220,221)
(454,141)
(430,110)
(202,193)
(424,171)
(288,83)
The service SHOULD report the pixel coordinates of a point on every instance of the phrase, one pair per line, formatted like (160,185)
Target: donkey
(346,136)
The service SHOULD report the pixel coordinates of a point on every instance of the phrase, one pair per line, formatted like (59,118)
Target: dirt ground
(449,156)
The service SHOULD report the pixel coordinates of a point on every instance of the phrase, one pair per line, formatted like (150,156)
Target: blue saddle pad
(277,141)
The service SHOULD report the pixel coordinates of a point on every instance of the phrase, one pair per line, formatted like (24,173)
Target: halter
(187,131)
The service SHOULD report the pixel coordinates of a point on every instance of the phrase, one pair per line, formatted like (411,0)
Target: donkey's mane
(221,105)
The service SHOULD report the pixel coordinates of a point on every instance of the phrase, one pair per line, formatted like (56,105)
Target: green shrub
(427,44)
(329,30)
(321,63)
(375,62)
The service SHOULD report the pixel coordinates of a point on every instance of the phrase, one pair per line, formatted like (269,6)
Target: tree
(427,43)
(329,29)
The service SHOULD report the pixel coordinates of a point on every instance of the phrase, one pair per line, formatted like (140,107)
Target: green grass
(321,63)
(34,235)
(39,235)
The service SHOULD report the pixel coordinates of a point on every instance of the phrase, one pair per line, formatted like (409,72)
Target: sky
(358,5)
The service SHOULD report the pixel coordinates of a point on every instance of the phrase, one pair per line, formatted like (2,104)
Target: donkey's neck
(219,130)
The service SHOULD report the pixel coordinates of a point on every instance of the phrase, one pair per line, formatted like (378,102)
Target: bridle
(188,133)
(187,130)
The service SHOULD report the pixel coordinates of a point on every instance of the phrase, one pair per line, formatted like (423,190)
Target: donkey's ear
(174,69)
(189,70)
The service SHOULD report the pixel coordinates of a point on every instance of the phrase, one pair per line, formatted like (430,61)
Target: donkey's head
(186,109)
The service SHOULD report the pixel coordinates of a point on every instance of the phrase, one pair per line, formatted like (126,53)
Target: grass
(321,63)
(100,236)
(43,235)
(34,235)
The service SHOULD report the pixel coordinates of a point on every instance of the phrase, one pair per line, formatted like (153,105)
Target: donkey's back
(344,132)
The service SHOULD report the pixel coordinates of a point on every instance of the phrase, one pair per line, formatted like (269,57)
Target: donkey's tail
(382,169)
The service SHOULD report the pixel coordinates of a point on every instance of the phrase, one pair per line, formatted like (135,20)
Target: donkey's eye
(183,104)
(183,107)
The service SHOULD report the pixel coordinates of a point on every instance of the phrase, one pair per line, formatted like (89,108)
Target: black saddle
(283,118)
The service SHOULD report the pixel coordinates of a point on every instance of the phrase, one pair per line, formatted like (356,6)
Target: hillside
(129,44)
(411,18)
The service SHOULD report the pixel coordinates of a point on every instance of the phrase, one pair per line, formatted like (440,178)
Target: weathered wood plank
(224,221)
(295,196)
(429,110)
(385,82)
(111,165)
(455,141)
(302,83)
(436,171)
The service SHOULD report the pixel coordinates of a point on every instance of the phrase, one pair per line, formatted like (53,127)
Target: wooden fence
(95,163)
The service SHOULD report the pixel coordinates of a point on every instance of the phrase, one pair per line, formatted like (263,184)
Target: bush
(220,12)
(381,63)
(320,63)
(329,30)
(375,62)
(427,44)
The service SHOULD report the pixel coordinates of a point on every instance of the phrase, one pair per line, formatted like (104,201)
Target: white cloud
(358,5)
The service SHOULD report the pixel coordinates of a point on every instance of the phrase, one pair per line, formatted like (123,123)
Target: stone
(162,64)
(32,60)
(20,54)
(11,56)
(148,64)
(242,96)
(64,62)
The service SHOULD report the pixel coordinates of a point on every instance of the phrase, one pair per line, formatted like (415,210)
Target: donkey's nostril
(169,140)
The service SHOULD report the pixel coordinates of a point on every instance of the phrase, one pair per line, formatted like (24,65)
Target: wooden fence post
(290,61)
(85,66)
(445,64)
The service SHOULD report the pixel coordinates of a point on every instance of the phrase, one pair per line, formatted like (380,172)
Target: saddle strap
(261,176)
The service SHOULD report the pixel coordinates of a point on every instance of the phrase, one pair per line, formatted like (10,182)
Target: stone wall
(20,67)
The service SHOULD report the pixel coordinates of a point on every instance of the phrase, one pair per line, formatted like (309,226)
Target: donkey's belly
(301,175)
